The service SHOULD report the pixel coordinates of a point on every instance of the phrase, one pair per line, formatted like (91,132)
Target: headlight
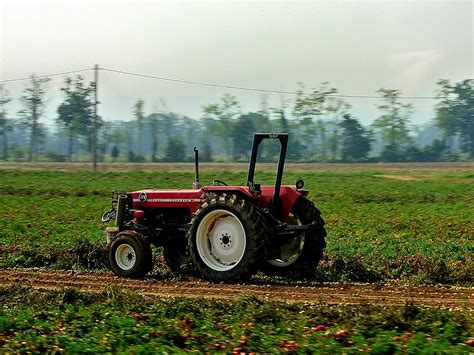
(299,184)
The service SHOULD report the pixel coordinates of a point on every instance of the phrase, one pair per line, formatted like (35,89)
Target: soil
(432,296)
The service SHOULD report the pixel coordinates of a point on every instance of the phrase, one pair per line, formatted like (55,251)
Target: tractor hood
(168,198)
(192,199)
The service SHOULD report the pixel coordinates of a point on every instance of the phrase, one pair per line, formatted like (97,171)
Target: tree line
(321,126)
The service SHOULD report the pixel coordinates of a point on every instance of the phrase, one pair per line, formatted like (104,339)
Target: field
(395,224)
(415,224)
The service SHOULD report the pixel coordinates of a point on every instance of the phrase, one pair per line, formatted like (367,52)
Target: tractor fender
(288,195)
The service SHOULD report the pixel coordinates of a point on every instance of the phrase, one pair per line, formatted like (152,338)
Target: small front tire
(130,255)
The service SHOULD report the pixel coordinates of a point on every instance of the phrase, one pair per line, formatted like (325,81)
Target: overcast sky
(358,46)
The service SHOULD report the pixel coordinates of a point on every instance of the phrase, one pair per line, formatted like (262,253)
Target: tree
(153,125)
(208,124)
(175,151)
(76,112)
(190,129)
(140,117)
(260,123)
(280,123)
(335,108)
(225,113)
(262,120)
(465,112)
(355,140)
(393,125)
(309,106)
(434,151)
(241,134)
(115,153)
(455,113)
(33,100)
(115,137)
(169,123)
(446,118)
(5,126)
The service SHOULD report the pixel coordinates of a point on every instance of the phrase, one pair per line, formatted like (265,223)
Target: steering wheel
(217,182)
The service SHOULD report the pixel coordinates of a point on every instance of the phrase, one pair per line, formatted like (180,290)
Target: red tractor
(226,233)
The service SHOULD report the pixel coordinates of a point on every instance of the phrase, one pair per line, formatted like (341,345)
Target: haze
(359,47)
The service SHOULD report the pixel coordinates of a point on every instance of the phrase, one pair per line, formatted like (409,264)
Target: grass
(114,321)
(410,225)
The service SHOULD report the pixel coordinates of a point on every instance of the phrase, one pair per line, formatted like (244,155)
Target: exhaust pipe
(120,215)
(196,183)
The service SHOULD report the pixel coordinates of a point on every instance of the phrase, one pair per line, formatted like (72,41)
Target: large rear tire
(225,237)
(297,258)
(130,255)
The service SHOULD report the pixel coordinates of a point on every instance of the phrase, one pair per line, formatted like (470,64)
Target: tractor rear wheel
(299,256)
(225,237)
(130,255)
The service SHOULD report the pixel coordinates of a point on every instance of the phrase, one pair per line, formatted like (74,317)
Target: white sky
(358,46)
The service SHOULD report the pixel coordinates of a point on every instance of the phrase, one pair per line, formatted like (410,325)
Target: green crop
(410,225)
(114,321)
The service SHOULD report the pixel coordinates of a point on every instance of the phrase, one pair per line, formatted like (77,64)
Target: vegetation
(33,100)
(411,225)
(5,125)
(455,113)
(355,140)
(114,321)
(393,125)
(75,114)
(314,118)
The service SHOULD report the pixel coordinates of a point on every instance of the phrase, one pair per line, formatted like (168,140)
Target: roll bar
(275,208)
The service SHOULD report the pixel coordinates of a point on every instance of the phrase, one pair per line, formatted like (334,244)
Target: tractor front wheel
(130,255)
(298,257)
(225,237)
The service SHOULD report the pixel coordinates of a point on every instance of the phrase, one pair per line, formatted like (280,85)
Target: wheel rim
(221,240)
(125,257)
(290,252)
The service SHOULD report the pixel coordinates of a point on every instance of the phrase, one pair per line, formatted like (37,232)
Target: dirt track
(450,297)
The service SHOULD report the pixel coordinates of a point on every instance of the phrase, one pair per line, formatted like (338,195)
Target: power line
(200,83)
(46,75)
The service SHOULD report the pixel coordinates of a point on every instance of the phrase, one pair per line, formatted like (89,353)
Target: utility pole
(94,121)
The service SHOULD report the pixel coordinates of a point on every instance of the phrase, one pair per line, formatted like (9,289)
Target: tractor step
(289,229)
(111,233)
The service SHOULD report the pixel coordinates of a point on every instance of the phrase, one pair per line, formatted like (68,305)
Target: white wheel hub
(125,257)
(221,240)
